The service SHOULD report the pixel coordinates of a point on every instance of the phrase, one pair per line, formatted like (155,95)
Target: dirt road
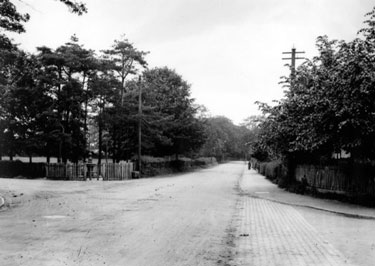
(179,220)
(225,216)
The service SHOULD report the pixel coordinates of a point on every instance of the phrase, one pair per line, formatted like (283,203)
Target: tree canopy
(71,101)
(226,140)
(12,21)
(329,105)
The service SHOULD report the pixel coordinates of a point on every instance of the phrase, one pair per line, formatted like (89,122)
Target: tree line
(329,104)
(70,101)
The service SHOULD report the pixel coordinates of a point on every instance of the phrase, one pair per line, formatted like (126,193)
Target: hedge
(152,166)
(11,169)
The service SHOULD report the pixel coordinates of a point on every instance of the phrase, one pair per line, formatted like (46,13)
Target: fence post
(46,169)
(66,171)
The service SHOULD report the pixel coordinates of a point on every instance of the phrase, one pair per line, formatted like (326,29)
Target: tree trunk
(114,150)
(85,130)
(100,140)
(122,90)
(59,158)
(60,114)
(140,127)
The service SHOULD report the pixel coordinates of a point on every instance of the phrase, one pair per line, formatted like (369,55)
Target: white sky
(228,50)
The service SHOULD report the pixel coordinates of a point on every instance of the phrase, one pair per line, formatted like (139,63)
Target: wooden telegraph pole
(293,58)
(139,125)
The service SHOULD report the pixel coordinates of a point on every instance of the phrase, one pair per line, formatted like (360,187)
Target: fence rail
(82,171)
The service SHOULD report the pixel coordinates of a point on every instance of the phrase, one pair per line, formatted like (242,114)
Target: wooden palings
(116,171)
(81,171)
(336,179)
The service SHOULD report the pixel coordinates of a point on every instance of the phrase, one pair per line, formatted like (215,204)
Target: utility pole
(293,58)
(139,125)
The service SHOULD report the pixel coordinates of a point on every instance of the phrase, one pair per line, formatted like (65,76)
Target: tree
(82,64)
(75,7)
(329,106)
(252,122)
(66,72)
(225,139)
(124,59)
(24,109)
(24,101)
(11,20)
(169,95)
(103,86)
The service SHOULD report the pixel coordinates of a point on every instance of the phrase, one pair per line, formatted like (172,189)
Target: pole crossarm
(293,58)
(289,58)
(301,52)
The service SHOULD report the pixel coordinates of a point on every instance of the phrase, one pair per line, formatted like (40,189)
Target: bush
(10,169)
(203,161)
(271,170)
(274,171)
(152,166)
(297,187)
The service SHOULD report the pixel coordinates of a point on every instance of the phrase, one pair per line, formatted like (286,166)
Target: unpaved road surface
(217,216)
(176,220)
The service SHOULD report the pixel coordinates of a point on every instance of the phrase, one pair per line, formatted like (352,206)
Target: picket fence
(84,171)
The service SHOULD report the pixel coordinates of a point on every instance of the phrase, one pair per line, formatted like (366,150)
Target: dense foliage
(329,105)
(70,101)
(226,140)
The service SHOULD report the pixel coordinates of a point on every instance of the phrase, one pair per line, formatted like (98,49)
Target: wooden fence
(82,171)
(352,179)
(116,171)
